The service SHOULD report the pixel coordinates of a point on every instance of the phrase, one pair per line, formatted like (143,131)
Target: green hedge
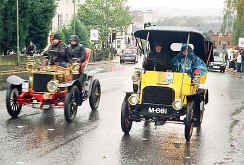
(11,60)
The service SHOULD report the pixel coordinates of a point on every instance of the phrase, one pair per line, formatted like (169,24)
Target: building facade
(64,13)
(221,40)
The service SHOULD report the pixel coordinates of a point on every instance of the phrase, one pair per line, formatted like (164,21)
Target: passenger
(31,49)
(75,50)
(193,64)
(56,52)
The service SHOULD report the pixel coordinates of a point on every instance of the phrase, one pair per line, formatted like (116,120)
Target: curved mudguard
(200,96)
(14,80)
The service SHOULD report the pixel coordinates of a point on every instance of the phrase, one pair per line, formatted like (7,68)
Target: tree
(80,29)
(8,21)
(105,15)
(35,17)
(42,13)
(234,19)
(2,6)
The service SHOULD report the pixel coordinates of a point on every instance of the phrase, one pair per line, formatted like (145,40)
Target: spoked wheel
(70,105)
(189,121)
(94,99)
(126,123)
(11,102)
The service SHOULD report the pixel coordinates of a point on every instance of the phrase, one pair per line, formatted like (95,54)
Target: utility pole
(106,27)
(17,22)
(74,15)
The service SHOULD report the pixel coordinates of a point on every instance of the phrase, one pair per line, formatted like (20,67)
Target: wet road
(95,138)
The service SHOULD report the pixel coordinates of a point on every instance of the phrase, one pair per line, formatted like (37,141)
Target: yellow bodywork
(160,79)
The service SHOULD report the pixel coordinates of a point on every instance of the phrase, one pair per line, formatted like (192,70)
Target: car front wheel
(189,121)
(126,123)
(12,103)
(70,105)
(94,99)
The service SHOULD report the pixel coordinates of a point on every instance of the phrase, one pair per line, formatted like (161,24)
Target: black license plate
(158,110)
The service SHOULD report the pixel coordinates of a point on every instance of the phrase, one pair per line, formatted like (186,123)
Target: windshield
(176,47)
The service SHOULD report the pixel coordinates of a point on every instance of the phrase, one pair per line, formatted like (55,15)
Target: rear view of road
(44,138)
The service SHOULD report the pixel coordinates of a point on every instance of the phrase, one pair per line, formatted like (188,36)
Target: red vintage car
(51,87)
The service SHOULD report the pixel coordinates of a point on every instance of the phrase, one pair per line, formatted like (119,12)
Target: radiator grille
(158,95)
(40,82)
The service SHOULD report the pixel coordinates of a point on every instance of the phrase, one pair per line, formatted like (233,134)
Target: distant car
(217,65)
(129,55)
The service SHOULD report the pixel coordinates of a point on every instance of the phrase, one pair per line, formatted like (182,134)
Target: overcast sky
(183,4)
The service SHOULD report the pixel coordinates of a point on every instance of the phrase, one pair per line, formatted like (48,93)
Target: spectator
(242,59)
(31,49)
(238,62)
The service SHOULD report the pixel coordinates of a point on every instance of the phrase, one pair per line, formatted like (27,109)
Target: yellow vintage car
(164,95)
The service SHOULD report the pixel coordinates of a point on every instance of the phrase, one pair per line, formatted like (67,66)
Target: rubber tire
(126,124)
(94,102)
(68,103)
(189,121)
(13,112)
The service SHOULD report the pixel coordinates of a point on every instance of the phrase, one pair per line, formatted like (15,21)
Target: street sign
(94,35)
(241,42)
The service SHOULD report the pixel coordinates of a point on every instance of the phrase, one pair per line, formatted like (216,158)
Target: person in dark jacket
(242,59)
(156,60)
(56,52)
(75,50)
(31,49)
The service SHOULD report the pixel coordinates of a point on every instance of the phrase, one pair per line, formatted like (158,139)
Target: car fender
(192,97)
(14,80)
(67,84)
(202,96)
(128,94)
(90,82)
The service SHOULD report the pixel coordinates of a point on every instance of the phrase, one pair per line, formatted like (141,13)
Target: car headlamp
(52,86)
(177,105)
(133,100)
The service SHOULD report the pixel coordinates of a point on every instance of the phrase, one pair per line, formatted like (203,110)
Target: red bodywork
(55,99)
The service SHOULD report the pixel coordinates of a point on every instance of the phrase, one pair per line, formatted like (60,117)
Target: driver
(194,66)
(56,52)
(156,59)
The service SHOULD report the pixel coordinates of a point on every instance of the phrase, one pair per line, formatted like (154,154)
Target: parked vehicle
(162,96)
(217,65)
(53,86)
(129,55)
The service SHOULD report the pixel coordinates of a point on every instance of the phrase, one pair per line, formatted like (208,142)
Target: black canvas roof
(166,35)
